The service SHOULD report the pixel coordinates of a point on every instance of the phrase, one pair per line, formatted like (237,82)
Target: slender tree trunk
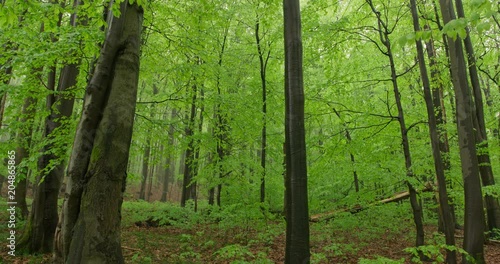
(90,226)
(474,212)
(353,160)
(445,209)
(263,59)
(145,169)
(188,183)
(416,208)
(492,205)
(297,211)
(170,170)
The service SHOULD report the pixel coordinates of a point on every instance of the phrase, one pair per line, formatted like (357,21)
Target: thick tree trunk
(445,209)
(297,212)
(474,212)
(90,231)
(492,205)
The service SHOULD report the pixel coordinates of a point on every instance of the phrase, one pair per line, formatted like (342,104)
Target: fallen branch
(133,249)
(358,208)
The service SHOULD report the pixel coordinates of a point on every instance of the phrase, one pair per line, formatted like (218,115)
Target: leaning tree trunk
(445,209)
(297,211)
(485,169)
(90,231)
(474,212)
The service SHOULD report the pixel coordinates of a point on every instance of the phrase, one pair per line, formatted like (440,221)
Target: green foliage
(381,260)
(234,252)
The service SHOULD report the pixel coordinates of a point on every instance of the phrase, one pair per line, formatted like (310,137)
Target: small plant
(381,260)
(233,252)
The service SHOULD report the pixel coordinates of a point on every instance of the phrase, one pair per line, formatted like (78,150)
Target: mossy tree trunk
(90,226)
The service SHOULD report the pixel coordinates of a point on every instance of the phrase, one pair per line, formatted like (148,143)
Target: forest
(250,131)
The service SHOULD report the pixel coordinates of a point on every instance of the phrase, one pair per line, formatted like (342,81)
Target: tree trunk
(445,209)
(474,212)
(297,212)
(263,59)
(90,225)
(38,235)
(440,113)
(188,183)
(22,152)
(145,169)
(416,208)
(486,172)
(170,170)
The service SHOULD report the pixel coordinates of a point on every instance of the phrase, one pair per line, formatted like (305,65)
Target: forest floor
(383,234)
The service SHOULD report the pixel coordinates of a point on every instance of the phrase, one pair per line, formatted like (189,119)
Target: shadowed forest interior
(250,131)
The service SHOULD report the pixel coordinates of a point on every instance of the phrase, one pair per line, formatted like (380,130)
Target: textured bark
(297,211)
(416,208)
(90,229)
(445,209)
(474,212)
(485,169)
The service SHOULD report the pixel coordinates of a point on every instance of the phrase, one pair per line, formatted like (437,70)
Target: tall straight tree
(90,228)
(445,209)
(263,59)
(296,203)
(474,211)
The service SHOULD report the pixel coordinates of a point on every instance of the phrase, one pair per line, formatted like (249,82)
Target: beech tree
(296,203)
(474,211)
(90,225)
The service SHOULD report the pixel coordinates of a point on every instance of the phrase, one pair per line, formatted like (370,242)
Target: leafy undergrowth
(166,233)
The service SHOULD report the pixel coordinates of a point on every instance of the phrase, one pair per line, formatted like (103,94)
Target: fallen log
(358,208)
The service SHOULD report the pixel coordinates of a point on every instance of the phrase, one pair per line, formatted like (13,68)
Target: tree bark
(188,183)
(90,226)
(297,211)
(445,209)
(170,170)
(416,208)
(38,235)
(474,212)
(486,172)
(263,59)
(23,152)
